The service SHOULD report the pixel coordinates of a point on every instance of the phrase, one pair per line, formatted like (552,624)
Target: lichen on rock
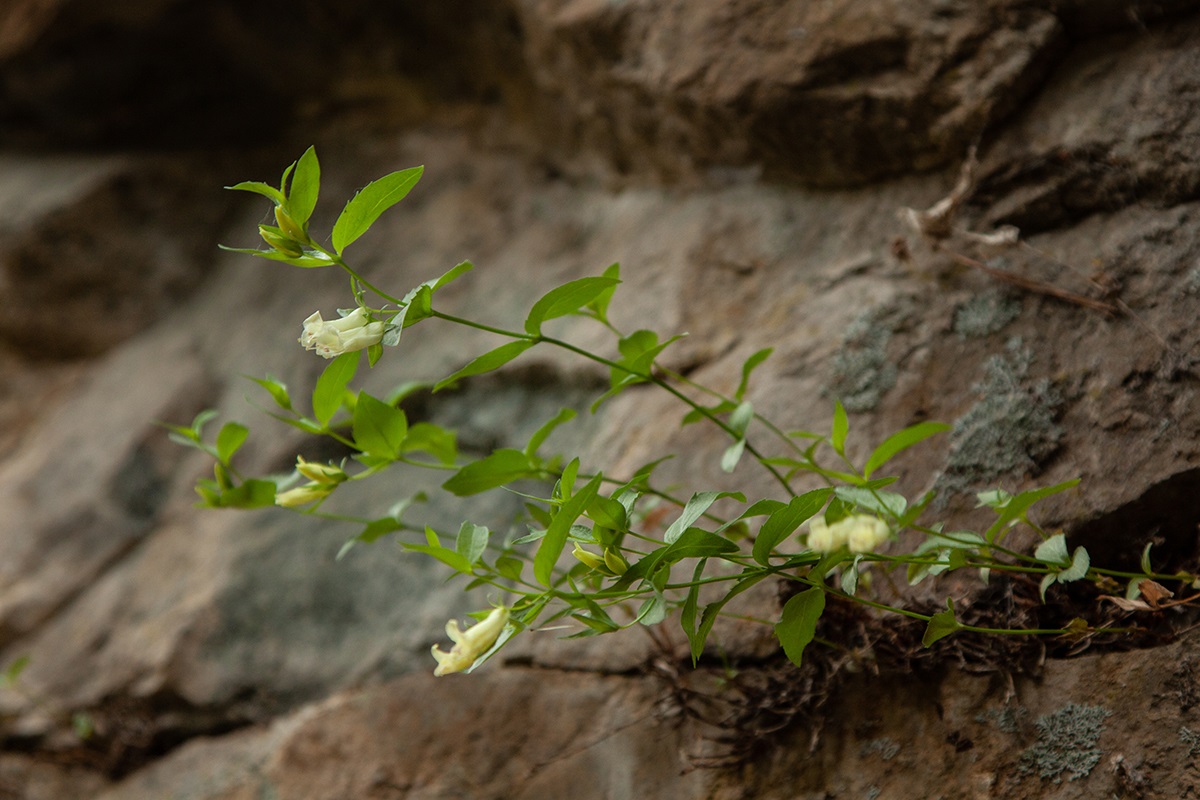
(1010,431)
(1066,743)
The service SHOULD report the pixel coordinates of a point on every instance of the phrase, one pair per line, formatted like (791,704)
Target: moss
(861,371)
(985,313)
(1066,743)
(1012,428)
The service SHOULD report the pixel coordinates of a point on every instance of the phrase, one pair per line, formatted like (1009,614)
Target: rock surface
(746,163)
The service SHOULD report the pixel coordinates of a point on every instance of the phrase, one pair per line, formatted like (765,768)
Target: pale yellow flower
(320,473)
(303,495)
(334,337)
(821,536)
(469,644)
(864,533)
(588,557)
(860,533)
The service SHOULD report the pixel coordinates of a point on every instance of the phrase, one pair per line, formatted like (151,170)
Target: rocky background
(747,162)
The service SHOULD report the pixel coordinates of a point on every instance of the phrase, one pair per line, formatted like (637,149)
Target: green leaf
(876,501)
(493,359)
(566,299)
(687,615)
(374,529)
(278,390)
(849,582)
(898,442)
(609,514)
(13,671)
(692,543)
(1080,563)
(697,543)
(732,455)
(451,275)
(560,526)
(1146,559)
(1053,550)
(798,624)
(638,351)
(510,568)
(366,206)
(713,610)
(748,367)
(694,509)
(1047,581)
(418,305)
(434,548)
(841,426)
(760,508)
(433,439)
(1016,507)
(309,261)
(231,437)
(251,494)
(306,184)
(330,391)
(471,542)
(378,429)
(653,610)
(599,304)
(741,417)
(697,414)
(564,415)
(501,467)
(265,189)
(941,625)
(784,521)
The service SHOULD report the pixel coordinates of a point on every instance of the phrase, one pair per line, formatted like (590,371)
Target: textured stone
(170,628)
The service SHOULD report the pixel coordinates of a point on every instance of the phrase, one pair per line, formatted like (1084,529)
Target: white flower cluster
(860,533)
(352,332)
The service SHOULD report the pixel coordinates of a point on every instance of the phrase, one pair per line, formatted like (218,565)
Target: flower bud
(303,495)
(291,229)
(615,563)
(320,473)
(280,242)
(588,557)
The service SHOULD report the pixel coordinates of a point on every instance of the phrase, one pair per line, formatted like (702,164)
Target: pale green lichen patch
(985,313)
(1191,739)
(1066,742)
(861,370)
(1012,428)
(1008,719)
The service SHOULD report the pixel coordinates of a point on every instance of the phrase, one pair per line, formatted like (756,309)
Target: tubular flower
(352,332)
(303,495)
(320,473)
(860,533)
(469,644)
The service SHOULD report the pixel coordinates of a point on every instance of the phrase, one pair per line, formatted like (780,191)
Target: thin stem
(650,378)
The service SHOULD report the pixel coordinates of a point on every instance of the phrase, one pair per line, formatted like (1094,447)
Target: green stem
(648,377)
